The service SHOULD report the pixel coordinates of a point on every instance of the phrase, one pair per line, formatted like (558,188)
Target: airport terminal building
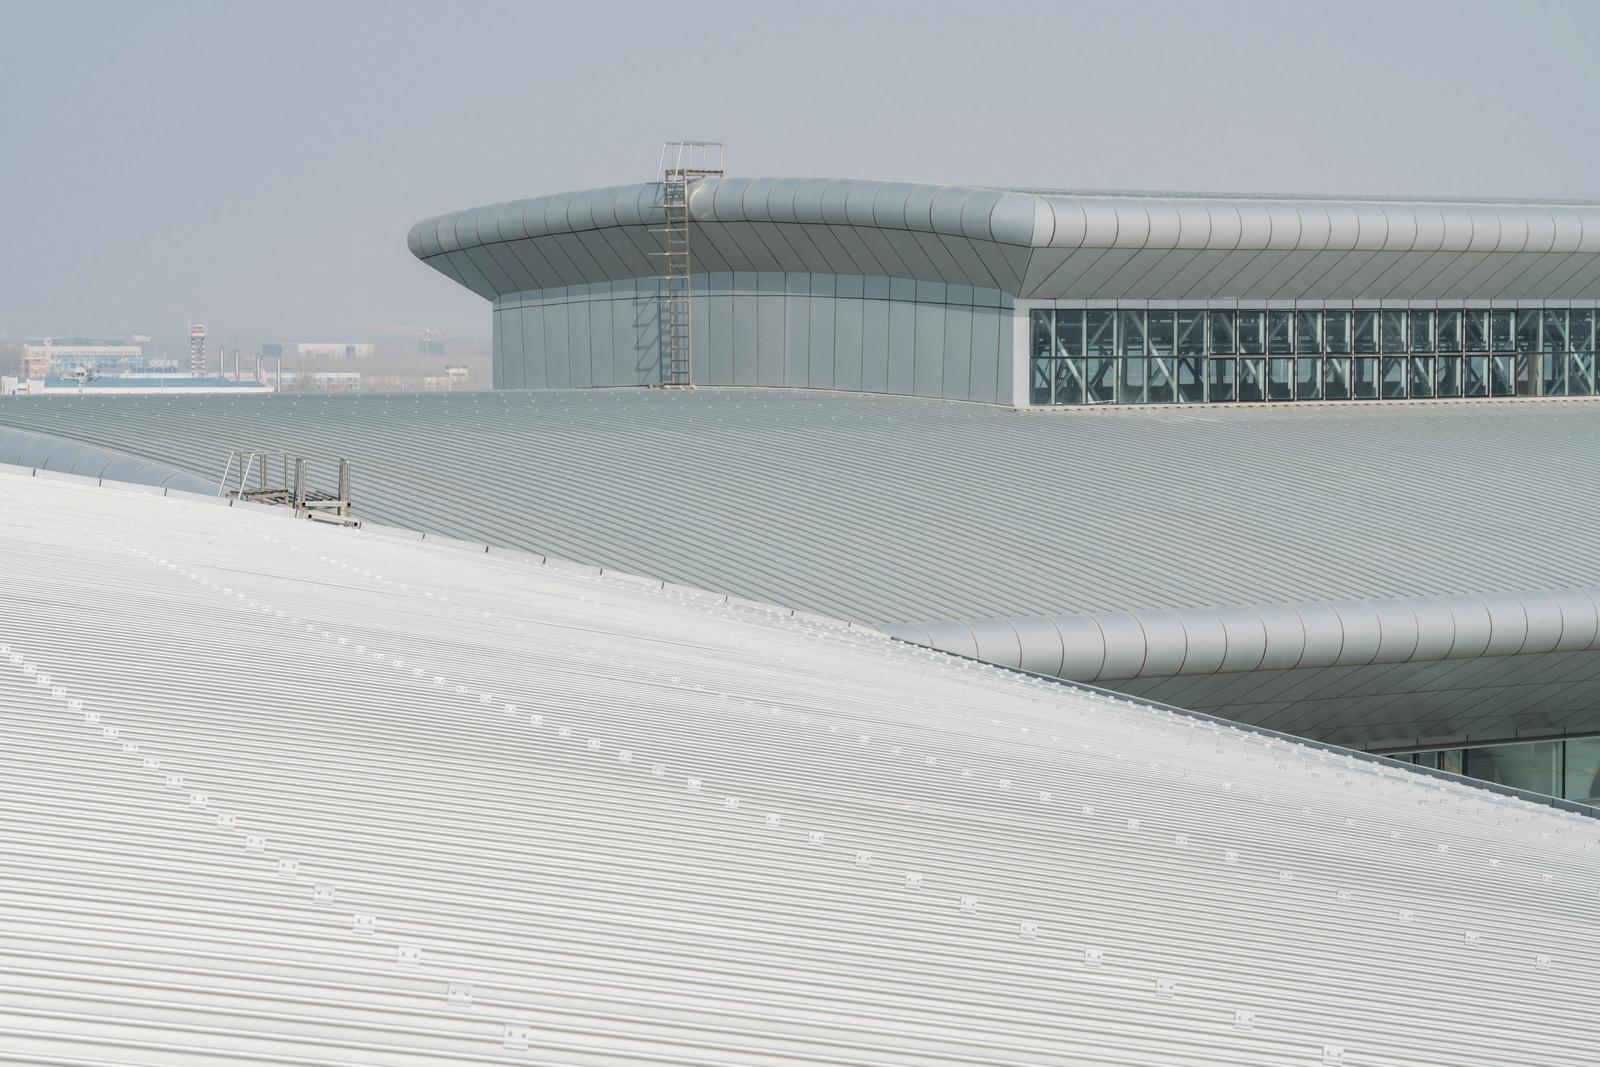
(1034,299)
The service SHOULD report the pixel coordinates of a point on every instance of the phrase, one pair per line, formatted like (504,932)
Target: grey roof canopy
(1038,245)
(1385,576)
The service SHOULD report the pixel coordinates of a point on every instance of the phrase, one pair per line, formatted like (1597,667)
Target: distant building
(197,349)
(128,385)
(326,381)
(316,350)
(67,356)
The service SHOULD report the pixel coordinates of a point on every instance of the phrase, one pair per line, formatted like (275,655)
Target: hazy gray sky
(259,164)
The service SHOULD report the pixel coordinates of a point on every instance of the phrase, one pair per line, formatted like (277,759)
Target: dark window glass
(1555,330)
(1501,375)
(1041,321)
(1191,380)
(1280,333)
(1475,381)
(1394,377)
(1100,332)
(1219,383)
(1447,376)
(1100,376)
(1500,331)
(1280,379)
(1581,335)
(1223,341)
(1132,325)
(1448,327)
(1130,380)
(1475,330)
(1069,332)
(1553,374)
(1069,380)
(1336,332)
(1252,341)
(1527,374)
(1580,374)
(1366,332)
(1159,388)
(1039,381)
(1308,332)
(1336,378)
(1160,331)
(1366,378)
(1528,330)
(1422,331)
(1308,378)
(1394,331)
(1191,333)
(1421,376)
(1252,380)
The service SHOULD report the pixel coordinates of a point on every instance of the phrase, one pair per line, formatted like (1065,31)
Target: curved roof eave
(1017,239)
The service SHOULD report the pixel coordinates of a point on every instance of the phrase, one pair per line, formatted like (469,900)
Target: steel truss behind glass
(1096,356)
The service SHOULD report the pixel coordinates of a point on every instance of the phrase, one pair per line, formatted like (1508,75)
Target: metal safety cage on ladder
(682,163)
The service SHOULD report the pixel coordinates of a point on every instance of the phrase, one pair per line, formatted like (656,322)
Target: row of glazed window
(1072,332)
(1099,380)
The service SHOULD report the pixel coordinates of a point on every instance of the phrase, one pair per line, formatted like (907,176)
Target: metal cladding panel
(872,371)
(505,811)
(928,356)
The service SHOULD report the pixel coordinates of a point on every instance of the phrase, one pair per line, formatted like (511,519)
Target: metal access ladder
(682,164)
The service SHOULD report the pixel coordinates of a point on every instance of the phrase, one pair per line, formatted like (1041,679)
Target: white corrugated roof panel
(275,792)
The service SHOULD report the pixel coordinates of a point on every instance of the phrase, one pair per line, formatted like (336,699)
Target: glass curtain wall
(1566,769)
(1098,356)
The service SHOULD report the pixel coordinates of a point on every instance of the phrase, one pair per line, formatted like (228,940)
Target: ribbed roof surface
(1048,245)
(282,793)
(896,510)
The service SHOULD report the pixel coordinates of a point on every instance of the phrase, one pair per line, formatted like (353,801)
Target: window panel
(1280,379)
(1130,380)
(1039,382)
(1580,336)
(1336,378)
(1159,385)
(1421,377)
(1366,332)
(1500,333)
(1308,332)
(1191,327)
(1580,374)
(1100,332)
(1308,378)
(1069,332)
(1553,374)
(1555,330)
(1252,380)
(1528,330)
(1069,381)
(1041,327)
(1475,330)
(1394,331)
(1447,377)
(1159,325)
(1280,333)
(1132,328)
(1336,332)
(1475,381)
(1366,378)
(1191,380)
(1502,375)
(1219,381)
(1422,331)
(1447,327)
(1223,336)
(1394,377)
(1100,385)
(1250,333)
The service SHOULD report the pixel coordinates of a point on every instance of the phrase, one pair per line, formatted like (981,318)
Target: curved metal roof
(1038,245)
(503,812)
(1342,557)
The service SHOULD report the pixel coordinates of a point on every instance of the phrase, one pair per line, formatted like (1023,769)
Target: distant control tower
(197,349)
